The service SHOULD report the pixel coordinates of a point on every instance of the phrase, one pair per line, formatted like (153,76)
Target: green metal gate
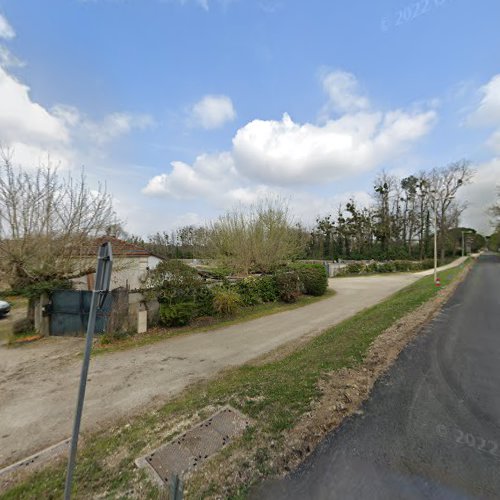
(69,312)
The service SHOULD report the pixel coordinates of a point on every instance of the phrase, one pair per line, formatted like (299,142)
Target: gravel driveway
(38,382)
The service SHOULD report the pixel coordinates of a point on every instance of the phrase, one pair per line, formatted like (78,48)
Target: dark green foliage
(173,282)
(268,288)
(288,284)
(177,314)
(386,267)
(36,289)
(313,278)
(204,300)
(249,291)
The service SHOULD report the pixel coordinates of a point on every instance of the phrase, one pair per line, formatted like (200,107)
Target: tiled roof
(120,248)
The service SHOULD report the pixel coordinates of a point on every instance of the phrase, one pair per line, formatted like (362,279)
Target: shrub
(355,268)
(268,289)
(313,278)
(226,302)
(386,267)
(204,300)
(288,284)
(249,291)
(173,282)
(37,288)
(403,265)
(177,314)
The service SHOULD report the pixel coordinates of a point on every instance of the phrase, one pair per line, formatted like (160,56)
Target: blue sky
(185,108)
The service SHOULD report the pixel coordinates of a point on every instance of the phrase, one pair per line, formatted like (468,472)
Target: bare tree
(445,182)
(47,221)
(256,239)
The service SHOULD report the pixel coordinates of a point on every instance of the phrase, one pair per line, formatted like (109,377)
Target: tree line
(399,224)
(48,222)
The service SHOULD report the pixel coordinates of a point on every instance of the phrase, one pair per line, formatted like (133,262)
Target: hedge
(313,278)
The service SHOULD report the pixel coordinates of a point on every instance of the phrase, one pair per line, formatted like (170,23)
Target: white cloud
(8,59)
(480,195)
(342,89)
(488,111)
(209,176)
(23,120)
(285,158)
(109,128)
(494,142)
(212,111)
(6,30)
(285,152)
(115,125)
(31,156)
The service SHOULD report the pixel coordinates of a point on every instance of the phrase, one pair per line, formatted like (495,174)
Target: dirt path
(38,383)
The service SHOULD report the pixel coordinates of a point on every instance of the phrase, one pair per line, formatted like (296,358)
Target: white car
(4,308)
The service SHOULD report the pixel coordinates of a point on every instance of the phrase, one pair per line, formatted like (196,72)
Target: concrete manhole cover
(197,445)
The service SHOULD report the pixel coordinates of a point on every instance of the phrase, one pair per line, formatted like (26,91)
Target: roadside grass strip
(274,395)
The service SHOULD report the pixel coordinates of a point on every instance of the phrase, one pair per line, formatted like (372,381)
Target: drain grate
(197,445)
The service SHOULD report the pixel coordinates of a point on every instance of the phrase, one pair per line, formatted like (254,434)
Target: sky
(186,108)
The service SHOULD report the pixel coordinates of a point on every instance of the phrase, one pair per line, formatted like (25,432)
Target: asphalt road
(432,426)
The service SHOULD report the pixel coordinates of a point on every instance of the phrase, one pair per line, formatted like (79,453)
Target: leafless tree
(445,182)
(47,221)
(256,239)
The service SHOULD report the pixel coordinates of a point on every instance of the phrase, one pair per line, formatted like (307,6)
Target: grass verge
(245,314)
(276,395)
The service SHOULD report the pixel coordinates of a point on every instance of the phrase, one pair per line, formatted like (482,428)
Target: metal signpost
(101,288)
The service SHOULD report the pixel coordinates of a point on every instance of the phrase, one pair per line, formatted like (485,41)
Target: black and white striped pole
(101,289)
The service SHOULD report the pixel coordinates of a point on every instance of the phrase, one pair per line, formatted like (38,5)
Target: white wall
(127,272)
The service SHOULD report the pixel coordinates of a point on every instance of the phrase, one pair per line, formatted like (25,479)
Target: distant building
(130,265)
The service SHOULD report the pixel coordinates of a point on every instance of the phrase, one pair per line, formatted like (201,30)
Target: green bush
(204,300)
(355,268)
(37,288)
(386,267)
(403,265)
(313,278)
(226,302)
(249,291)
(172,282)
(268,289)
(288,284)
(177,314)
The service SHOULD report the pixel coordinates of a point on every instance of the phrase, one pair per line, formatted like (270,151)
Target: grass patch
(275,394)
(244,314)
